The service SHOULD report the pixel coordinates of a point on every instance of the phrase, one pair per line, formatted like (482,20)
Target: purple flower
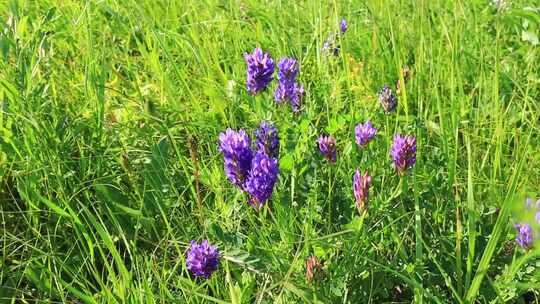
(261,179)
(361,185)
(288,70)
(327,147)
(288,88)
(260,68)
(293,92)
(525,235)
(237,154)
(364,133)
(268,139)
(202,260)
(343,25)
(284,91)
(387,99)
(403,152)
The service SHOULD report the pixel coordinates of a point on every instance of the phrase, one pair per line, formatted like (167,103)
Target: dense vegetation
(111,113)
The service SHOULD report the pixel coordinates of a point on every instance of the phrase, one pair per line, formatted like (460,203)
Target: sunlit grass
(109,162)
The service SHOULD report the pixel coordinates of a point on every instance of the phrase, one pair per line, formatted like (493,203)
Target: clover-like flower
(364,133)
(237,155)
(288,69)
(202,259)
(525,235)
(403,152)
(261,179)
(288,89)
(260,68)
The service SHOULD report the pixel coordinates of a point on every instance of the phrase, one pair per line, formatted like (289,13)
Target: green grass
(110,116)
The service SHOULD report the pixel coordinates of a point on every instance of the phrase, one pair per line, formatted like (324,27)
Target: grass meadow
(111,112)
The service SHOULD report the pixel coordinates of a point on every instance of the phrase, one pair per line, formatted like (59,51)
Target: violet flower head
(343,25)
(260,68)
(364,133)
(288,88)
(284,91)
(261,179)
(361,184)
(525,235)
(288,70)
(202,259)
(387,99)
(237,154)
(268,139)
(403,152)
(327,147)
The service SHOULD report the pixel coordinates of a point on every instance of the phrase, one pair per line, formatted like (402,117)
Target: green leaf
(286,163)
(356,223)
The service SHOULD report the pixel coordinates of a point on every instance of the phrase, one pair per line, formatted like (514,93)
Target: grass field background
(109,162)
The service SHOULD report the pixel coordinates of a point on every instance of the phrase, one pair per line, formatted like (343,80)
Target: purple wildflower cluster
(288,88)
(260,68)
(202,259)
(252,172)
(403,153)
(525,232)
(255,170)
